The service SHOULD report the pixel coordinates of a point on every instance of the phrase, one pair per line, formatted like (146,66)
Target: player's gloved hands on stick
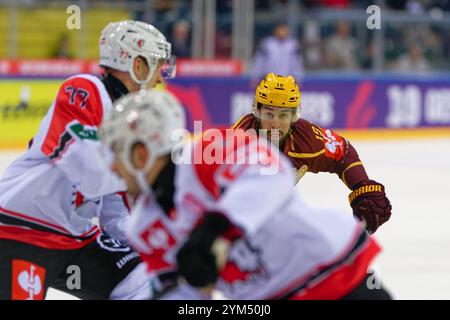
(369,202)
(196,261)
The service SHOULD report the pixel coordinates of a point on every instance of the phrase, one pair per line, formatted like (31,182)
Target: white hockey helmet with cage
(121,42)
(148,117)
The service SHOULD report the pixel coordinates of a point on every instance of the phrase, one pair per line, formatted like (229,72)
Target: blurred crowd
(318,45)
(310,44)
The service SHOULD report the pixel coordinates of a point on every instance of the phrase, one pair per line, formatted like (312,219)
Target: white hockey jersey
(289,250)
(58,185)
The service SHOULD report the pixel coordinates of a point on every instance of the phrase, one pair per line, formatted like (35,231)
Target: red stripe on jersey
(338,277)
(343,280)
(77,99)
(38,221)
(43,239)
(356,246)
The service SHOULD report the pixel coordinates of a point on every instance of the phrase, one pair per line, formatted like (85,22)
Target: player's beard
(277,137)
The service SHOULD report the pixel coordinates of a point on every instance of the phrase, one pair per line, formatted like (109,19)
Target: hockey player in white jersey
(234,222)
(49,195)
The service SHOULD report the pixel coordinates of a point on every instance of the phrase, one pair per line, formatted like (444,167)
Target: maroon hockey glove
(369,202)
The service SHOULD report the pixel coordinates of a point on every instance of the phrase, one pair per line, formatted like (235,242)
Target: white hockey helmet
(121,42)
(150,117)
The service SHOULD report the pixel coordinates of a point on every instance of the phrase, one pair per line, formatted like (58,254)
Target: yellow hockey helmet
(278,91)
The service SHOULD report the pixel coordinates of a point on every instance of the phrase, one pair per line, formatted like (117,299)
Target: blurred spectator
(415,7)
(181,39)
(278,53)
(340,48)
(412,61)
(223,43)
(367,57)
(312,45)
(432,42)
(62,50)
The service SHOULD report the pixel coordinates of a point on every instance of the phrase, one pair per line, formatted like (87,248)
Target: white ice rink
(415,262)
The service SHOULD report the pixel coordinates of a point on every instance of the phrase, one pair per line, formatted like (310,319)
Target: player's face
(277,121)
(138,159)
(119,168)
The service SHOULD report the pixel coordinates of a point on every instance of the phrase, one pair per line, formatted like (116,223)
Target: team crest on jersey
(244,265)
(160,242)
(110,244)
(334,145)
(28,281)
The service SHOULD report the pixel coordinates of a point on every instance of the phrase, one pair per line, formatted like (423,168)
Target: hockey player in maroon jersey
(51,193)
(276,110)
(220,212)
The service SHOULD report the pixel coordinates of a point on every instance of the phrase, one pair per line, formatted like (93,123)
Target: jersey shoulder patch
(334,144)
(310,140)
(78,102)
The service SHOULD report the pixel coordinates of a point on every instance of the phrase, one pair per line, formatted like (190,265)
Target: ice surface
(415,262)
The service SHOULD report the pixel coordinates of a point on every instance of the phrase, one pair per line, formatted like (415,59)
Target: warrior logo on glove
(369,203)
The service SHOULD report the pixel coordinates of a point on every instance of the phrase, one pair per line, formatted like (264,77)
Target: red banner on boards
(64,68)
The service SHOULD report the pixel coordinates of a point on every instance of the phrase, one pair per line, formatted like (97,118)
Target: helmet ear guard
(151,67)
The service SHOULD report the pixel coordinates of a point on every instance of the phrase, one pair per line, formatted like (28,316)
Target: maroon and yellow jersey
(313,149)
